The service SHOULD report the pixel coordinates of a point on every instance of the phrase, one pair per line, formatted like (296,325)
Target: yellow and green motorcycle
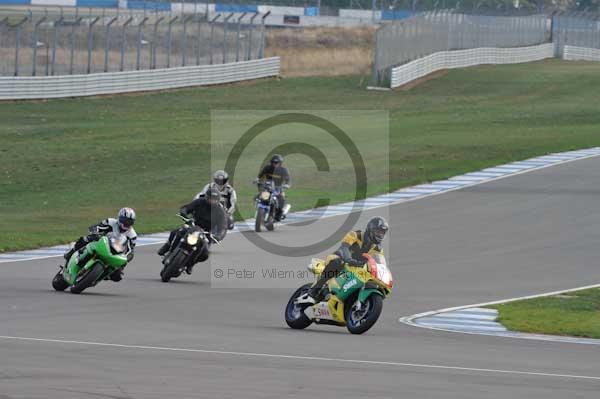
(107,255)
(353,299)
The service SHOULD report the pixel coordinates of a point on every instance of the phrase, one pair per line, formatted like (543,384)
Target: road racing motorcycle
(191,248)
(108,254)
(267,205)
(353,299)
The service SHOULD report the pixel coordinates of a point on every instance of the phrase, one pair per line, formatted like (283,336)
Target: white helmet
(220,178)
(126,218)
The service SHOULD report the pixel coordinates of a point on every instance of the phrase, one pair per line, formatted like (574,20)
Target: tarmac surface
(142,338)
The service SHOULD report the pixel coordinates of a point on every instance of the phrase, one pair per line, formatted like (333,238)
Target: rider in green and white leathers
(122,225)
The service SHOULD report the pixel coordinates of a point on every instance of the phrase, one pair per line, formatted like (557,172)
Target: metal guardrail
(41,87)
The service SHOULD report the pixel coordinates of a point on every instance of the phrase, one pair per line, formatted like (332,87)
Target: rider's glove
(356,262)
(92,237)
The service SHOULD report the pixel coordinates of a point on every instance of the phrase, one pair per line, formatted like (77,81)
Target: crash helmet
(220,178)
(126,218)
(376,230)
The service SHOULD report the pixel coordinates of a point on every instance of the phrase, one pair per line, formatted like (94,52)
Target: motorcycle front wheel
(59,283)
(173,263)
(260,216)
(361,320)
(88,279)
(294,313)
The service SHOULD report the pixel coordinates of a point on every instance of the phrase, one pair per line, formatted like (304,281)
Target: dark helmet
(212,195)
(126,218)
(220,178)
(276,159)
(376,230)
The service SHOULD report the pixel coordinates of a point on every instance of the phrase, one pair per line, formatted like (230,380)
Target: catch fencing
(38,87)
(575,29)
(465,58)
(83,44)
(406,40)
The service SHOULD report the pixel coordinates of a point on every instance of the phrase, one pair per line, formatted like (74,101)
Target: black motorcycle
(188,248)
(267,205)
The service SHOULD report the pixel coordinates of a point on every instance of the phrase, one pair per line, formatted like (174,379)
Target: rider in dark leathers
(208,214)
(281,178)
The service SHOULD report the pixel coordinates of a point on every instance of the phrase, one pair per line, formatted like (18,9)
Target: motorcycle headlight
(192,239)
(265,195)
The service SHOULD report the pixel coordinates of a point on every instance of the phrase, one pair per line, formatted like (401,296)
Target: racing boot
(285,211)
(116,276)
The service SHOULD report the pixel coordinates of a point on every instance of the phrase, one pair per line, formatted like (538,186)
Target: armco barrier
(574,53)
(464,58)
(41,87)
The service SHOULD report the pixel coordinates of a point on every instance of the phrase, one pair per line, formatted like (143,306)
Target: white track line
(310,358)
(410,320)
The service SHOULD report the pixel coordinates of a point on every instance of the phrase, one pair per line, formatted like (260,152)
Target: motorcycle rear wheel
(294,314)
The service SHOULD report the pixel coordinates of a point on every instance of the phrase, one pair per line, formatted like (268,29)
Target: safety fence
(575,29)
(41,87)
(77,44)
(464,58)
(574,53)
(431,32)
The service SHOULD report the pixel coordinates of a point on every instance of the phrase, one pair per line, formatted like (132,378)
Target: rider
(208,214)
(228,194)
(281,178)
(123,224)
(350,252)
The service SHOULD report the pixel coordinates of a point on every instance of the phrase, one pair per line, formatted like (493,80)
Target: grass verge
(64,164)
(572,314)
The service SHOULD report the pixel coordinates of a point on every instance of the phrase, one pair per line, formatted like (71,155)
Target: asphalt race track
(522,235)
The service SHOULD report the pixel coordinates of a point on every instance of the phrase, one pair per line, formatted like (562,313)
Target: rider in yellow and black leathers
(350,252)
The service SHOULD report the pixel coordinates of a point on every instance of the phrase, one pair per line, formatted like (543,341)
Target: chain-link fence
(73,44)
(575,29)
(426,33)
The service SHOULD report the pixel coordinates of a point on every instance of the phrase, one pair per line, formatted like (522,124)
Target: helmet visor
(379,233)
(125,222)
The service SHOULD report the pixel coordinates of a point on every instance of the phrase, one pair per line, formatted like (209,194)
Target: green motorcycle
(107,255)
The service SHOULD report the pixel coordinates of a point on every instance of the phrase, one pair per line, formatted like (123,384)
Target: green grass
(573,314)
(67,163)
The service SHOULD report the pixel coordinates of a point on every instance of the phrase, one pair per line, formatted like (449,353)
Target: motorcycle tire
(260,216)
(59,283)
(374,304)
(88,279)
(172,265)
(294,314)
